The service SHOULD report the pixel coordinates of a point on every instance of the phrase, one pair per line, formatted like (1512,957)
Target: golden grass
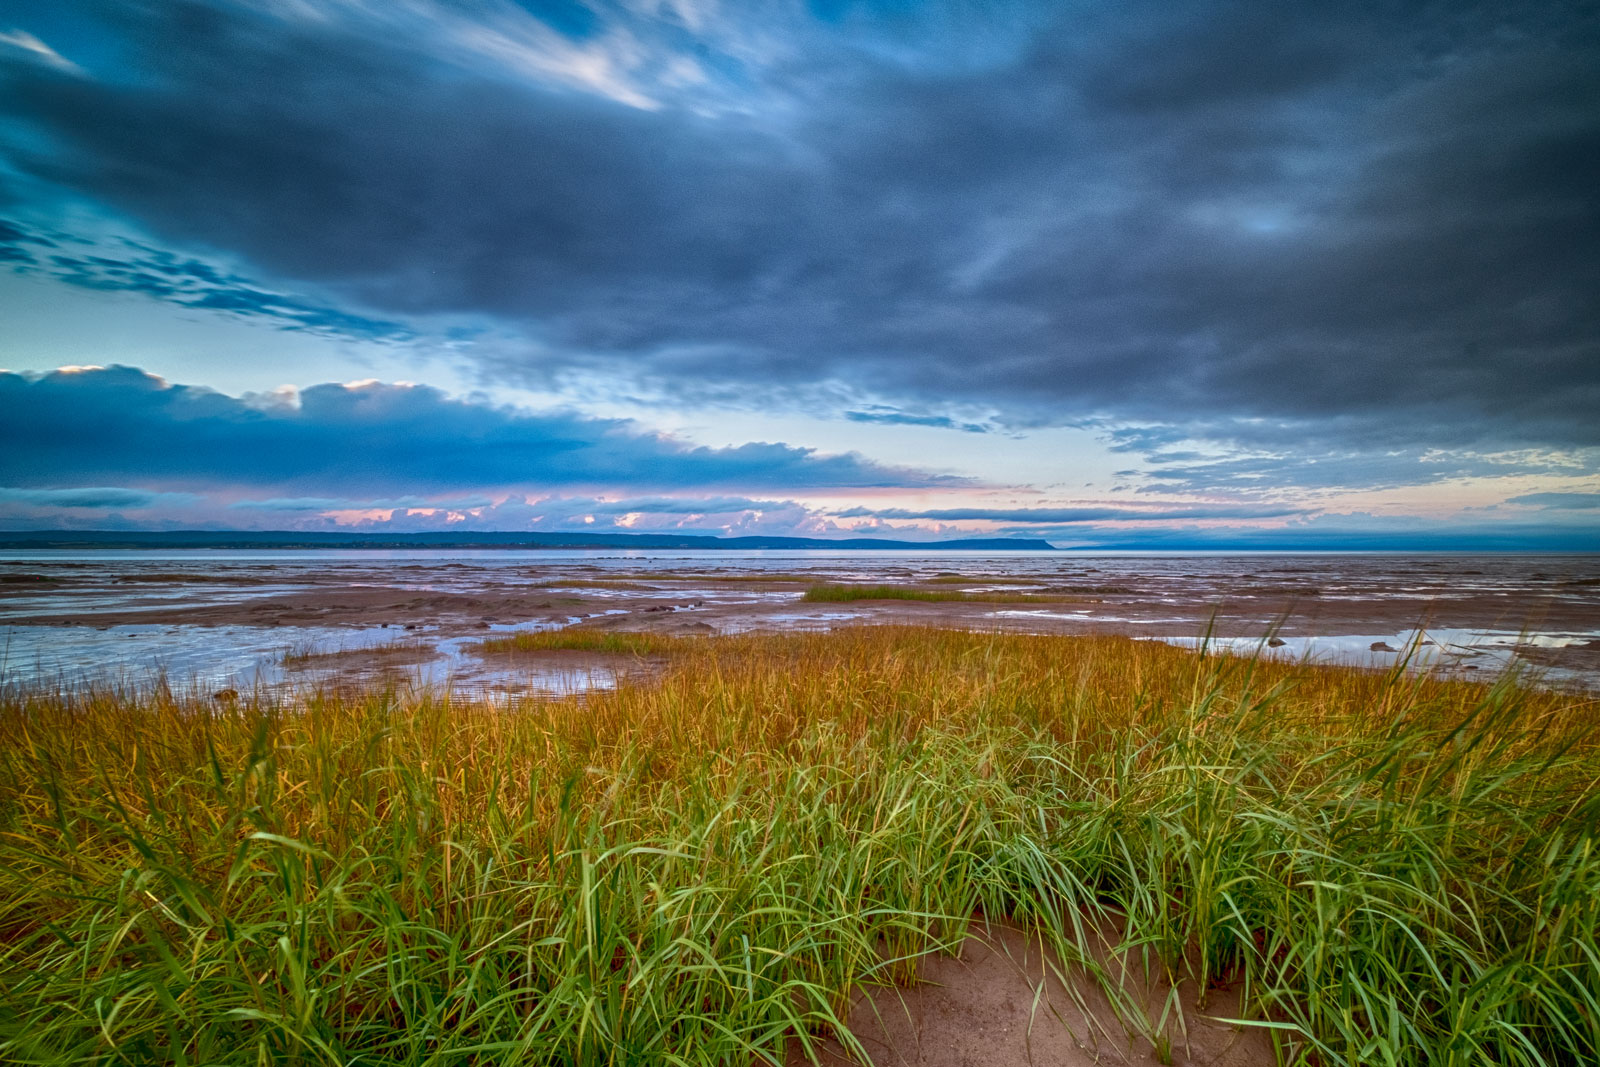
(701,870)
(409,648)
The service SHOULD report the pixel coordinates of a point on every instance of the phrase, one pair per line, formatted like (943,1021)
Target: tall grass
(703,870)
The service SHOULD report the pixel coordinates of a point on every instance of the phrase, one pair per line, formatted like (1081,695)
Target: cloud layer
(108,425)
(1370,224)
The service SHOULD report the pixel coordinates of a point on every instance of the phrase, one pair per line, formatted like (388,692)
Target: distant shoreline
(296,540)
(291,539)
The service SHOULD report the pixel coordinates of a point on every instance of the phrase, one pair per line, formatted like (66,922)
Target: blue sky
(1144,273)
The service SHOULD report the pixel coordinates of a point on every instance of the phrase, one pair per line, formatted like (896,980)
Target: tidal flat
(221,619)
(880,844)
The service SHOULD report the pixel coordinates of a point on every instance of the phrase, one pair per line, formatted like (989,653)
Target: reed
(703,869)
(309,655)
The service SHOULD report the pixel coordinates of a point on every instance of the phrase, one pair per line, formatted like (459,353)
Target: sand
(1002,1003)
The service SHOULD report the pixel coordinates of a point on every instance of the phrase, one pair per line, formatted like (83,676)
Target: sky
(1141,274)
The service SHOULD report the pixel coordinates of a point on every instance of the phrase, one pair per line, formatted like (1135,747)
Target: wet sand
(1544,611)
(1239,605)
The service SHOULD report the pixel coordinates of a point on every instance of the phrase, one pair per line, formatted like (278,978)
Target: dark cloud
(14,238)
(92,498)
(118,423)
(1378,221)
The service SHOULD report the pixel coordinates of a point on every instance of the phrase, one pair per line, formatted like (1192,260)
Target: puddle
(1456,652)
(789,620)
(1090,615)
(247,658)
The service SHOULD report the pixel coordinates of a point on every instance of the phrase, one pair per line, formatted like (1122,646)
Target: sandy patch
(1002,1003)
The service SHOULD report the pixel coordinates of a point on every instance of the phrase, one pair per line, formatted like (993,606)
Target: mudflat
(1544,610)
(1238,595)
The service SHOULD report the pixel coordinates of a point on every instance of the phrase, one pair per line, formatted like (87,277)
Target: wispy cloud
(1558,501)
(320,504)
(26,44)
(96,498)
(131,267)
(890,417)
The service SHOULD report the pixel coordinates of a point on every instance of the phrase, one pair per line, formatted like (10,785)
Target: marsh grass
(1392,869)
(827,593)
(608,642)
(310,655)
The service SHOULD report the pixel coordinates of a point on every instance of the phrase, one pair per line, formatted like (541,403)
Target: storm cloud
(118,424)
(1373,224)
